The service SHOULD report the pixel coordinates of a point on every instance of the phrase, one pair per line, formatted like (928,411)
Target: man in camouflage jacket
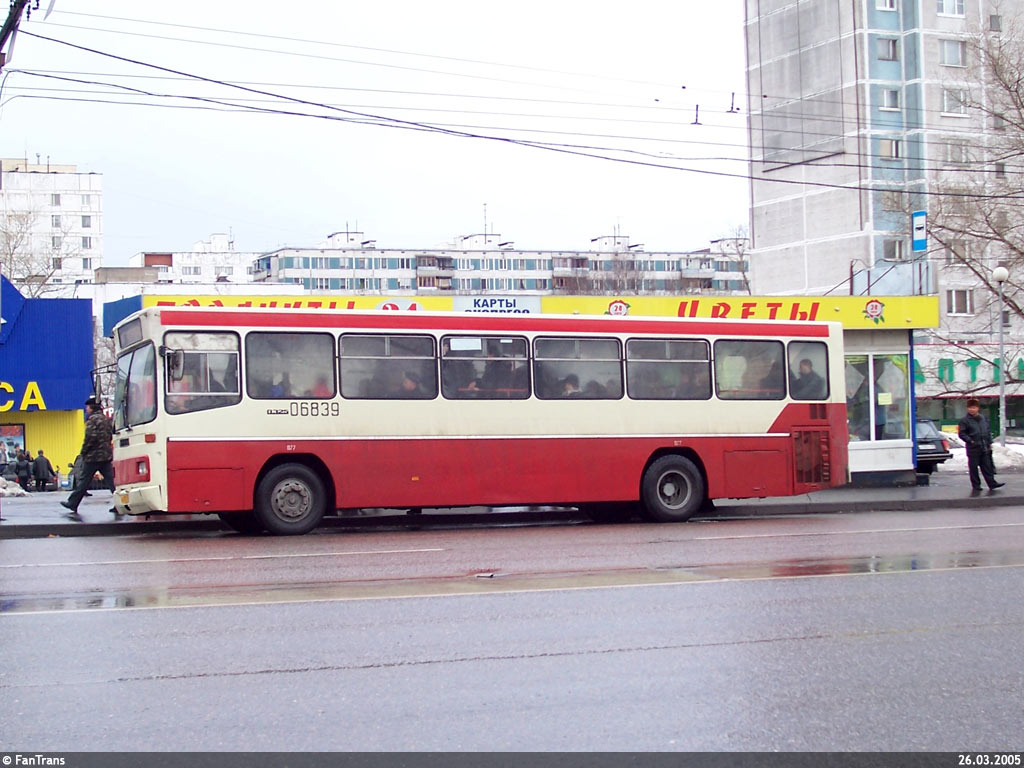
(97,456)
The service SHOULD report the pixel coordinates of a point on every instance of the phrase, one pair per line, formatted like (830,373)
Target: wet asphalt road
(875,631)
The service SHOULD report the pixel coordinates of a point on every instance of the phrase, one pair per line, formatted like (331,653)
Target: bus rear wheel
(290,500)
(672,490)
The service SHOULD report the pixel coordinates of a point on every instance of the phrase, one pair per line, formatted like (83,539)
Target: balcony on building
(435,265)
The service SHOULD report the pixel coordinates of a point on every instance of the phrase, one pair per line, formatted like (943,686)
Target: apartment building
(861,114)
(487,264)
(51,225)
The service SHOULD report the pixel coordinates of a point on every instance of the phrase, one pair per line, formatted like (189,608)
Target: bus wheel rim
(292,500)
(673,490)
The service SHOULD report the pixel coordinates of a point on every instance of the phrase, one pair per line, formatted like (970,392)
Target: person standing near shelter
(23,469)
(974,431)
(42,471)
(97,456)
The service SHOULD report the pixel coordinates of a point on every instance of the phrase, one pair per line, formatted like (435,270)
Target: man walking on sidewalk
(97,456)
(974,431)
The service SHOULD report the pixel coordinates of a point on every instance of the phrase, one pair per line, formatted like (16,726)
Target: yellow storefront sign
(876,312)
(852,311)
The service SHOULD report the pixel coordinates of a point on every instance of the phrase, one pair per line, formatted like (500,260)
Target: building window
(86,201)
(998,123)
(192,271)
(953,53)
(56,241)
(951,7)
(960,301)
(86,263)
(954,101)
(956,152)
(1000,170)
(86,243)
(885,5)
(956,252)
(1006,318)
(57,263)
(892,200)
(892,250)
(86,222)
(55,200)
(890,98)
(55,220)
(995,23)
(889,149)
(887,49)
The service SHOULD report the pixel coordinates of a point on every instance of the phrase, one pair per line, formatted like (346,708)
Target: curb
(61,528)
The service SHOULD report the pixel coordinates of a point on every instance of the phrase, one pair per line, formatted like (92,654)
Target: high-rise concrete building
(861,113)
(51,225)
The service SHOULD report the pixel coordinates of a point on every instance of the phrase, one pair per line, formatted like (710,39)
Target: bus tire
(290,500)
(241,522)
(672,490)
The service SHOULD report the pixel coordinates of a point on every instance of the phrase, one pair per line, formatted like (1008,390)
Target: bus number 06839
(314,409)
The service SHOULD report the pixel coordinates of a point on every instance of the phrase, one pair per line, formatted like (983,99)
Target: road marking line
(843,533)
(221,559)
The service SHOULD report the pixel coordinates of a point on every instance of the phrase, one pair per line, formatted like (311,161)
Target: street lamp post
(1000,275)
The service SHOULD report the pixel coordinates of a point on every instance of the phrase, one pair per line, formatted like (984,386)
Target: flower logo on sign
(873,311)
(618,308)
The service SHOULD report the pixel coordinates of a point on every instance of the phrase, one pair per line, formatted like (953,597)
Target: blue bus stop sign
(919,228)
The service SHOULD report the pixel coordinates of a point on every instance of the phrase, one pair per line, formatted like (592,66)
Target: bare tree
(976,209)
(737,243)
(30,259)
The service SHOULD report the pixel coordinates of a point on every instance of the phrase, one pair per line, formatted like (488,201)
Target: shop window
(877,397)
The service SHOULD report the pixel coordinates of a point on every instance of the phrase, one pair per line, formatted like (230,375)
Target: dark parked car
(932,446)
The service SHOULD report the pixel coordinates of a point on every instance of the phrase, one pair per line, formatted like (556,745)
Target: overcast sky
(621,81)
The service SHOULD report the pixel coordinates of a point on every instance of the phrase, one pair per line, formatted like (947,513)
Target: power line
(408,124)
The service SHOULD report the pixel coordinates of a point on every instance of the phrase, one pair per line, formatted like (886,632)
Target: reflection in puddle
(180,597)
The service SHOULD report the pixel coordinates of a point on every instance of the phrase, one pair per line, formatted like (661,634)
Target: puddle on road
(470,584)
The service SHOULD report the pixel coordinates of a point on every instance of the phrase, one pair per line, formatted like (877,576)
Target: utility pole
(10,29)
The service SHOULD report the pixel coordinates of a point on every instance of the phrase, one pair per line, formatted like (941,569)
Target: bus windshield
(135,397)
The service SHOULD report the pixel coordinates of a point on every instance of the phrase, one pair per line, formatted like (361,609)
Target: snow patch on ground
(8,488)
(1008,458)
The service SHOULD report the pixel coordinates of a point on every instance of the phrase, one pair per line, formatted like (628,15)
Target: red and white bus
(273,419)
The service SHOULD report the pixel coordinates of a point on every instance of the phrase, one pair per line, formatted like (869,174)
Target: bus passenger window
(750,370)
(382,367)
(584,369)
(289,366)
(808,370)
(484,368)
(668,369)
(209,377)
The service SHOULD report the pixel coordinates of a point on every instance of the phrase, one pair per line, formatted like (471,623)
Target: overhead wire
(347,114)
(909,164)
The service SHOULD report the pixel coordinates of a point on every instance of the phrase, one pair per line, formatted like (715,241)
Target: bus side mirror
(175,359)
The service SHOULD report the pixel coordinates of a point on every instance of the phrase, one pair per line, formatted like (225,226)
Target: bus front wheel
(290,500)
(673,490)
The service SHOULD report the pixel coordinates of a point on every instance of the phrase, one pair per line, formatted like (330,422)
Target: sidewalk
(39,515)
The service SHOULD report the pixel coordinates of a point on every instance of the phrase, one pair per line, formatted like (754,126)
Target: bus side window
(668,369)
(749,370)
(381,367)
(289,366)
(209,372)
(585,369)
(484,368)
(808,370)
